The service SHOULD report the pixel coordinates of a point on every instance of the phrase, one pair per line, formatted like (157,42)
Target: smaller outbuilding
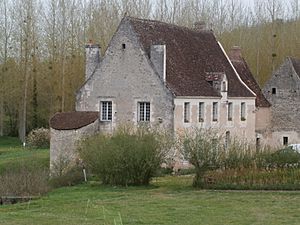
(283,92)
(66,129)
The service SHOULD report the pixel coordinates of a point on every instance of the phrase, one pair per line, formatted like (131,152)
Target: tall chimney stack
(235,53)
(92,58)
(199,26)
(158,58)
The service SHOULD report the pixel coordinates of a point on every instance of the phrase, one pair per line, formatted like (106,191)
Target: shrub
(238,155)
(24,180)
(39,138)
(286,157)
(71,177)
(250,178)
(128,157)
(203,150)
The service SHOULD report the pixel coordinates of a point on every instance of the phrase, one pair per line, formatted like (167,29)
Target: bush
(203,150)
(70,178)
(253,179)
(128,157)
(238,155)
(39,138)
(286,157)
(24,180)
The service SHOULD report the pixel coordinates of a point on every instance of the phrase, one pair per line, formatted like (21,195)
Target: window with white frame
(144,111)
(215,111)
(106,110)
(186,112)
(201,111)
(229,113)
(243,111)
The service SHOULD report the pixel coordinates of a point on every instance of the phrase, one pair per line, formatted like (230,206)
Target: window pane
(243,111)
(147,111)
(106,110)
(144,111)
(201,111)
(229,111)
(186,112)
(215,111)
(109,110)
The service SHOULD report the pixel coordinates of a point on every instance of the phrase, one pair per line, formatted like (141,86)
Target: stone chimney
(92,58)
(235,53)
(158,58)
(199,26)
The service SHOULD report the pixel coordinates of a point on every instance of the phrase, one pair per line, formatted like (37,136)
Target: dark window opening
(186,112)
(285,140)
(123,46)
(258,144)
(273,91)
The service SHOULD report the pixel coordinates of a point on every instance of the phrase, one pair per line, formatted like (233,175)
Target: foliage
(71,177)
(253,179)
(202,148)
(24,180)
(238,155)
(128,157)
(286,157)
(39,138)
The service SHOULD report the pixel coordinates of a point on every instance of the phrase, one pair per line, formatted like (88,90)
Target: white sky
(249,2)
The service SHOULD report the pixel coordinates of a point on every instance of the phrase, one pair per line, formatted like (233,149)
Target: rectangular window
(201,111)
(215,111)
(243,111)
(229,113)
(186,112)
(106,111)
(273,91)
(285,140)
(144,111)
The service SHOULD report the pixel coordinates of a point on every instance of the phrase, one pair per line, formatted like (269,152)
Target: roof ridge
(167,24)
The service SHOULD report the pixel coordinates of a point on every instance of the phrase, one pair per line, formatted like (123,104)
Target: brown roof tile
(72,120)
(243,70)
(190,55)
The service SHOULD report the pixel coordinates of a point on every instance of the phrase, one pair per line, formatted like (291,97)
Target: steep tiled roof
(242,68)
(296,65)
(190,56)
(72,120)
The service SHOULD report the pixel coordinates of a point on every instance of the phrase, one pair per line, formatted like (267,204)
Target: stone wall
(63,144)
(283,92)
(241,129)
(126,77)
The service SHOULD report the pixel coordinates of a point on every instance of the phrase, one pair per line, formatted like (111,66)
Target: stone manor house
(167,76)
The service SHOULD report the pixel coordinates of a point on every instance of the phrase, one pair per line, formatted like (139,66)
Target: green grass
(12,154)
(169,200)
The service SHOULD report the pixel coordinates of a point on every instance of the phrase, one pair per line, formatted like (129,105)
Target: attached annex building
(168,76)
(283,92)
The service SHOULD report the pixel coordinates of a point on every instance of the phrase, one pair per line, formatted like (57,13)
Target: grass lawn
(169,200)
(12,154)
